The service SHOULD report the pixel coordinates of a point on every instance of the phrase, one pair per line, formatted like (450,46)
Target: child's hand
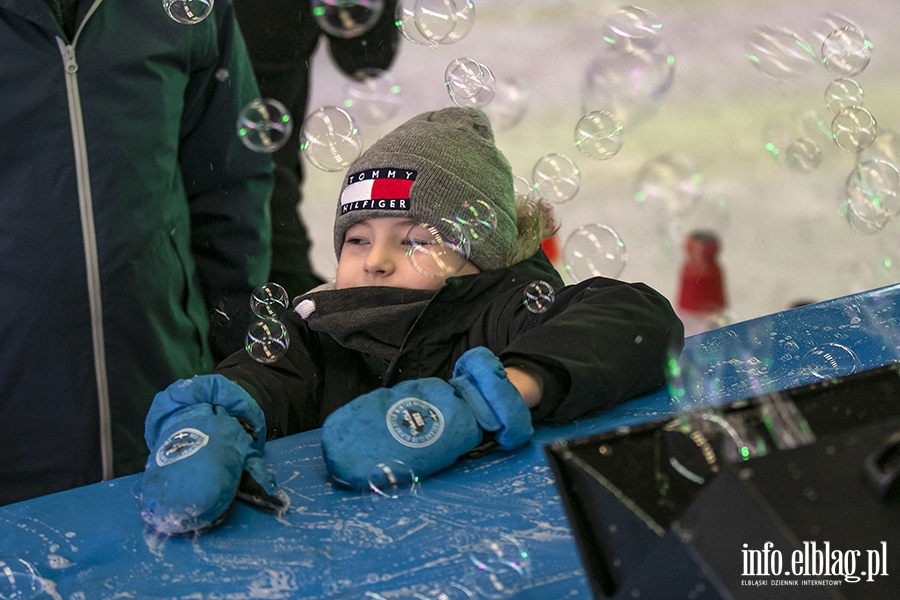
(206,437)
(426,423)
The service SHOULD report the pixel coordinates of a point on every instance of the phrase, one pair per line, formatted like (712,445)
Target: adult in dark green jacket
(130,213)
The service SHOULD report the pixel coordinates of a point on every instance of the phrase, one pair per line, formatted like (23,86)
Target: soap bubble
(346,18)
(539,296)
(846,52)
(628,82)
(437,252)
(430,22)
(267,340)
(373,96)
(476,220)
(509,105)
(803,155)
(829,360)
(825,25)
(556,178)
(594,251)
(501,566)
(672,180)
(392,479)
(264,125)
(853,128)
(19,579)
(469,83)
(873,190)
(867,226)
(629,26)
(598,135)
(797,141)
(269,301)
(188,12)
(886,147)
(779,52)
(330,139)
(842,93)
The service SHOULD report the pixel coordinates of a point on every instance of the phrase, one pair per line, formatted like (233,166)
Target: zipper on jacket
(92,262)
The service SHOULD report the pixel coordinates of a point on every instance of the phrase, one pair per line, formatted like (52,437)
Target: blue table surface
(91,543)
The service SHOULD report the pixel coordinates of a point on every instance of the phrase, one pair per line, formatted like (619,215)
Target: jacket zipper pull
(69,57)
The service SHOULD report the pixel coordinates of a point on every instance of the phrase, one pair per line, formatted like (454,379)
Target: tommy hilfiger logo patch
(385,188)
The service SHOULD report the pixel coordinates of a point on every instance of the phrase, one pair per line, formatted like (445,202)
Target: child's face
(375,253)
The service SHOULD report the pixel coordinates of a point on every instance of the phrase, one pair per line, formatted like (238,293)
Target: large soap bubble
(509,105)
(594,250)
(873,191)
(671,180)
(469,83)
(780,53)
(556,178)
(628,82)
(841,93)
(846,52)
(188,12)
(346,18)
(267,340)
(438,251)
(330,139)
(598,135)
(264,125)
(269,301)
(854,128)
(373,96)
(432,22)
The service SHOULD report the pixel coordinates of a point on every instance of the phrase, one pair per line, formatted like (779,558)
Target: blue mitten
(206,438)
(427,424)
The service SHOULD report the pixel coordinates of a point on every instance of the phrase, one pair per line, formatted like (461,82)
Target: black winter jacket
(601,342)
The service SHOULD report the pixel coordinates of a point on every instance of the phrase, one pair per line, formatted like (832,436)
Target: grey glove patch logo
(414,422)
(180,445)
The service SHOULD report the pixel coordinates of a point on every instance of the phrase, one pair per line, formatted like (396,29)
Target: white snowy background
(783,238)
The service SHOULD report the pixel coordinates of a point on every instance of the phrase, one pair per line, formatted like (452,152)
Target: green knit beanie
(430,169)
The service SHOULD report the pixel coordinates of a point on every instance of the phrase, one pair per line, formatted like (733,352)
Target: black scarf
(372,320)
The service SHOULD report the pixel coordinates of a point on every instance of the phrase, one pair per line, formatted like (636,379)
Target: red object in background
(550,246)
(702,289)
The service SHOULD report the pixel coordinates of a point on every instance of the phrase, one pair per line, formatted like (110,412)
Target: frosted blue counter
(91,543)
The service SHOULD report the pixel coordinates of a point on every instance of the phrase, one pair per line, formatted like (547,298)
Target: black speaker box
(794,494)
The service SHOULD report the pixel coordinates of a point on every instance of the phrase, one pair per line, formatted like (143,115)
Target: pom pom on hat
(428,170)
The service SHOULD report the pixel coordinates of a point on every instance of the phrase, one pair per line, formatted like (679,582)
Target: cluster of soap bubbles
(267,337)
(872,188)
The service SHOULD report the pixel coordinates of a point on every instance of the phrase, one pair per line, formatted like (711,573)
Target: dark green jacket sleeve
(227,184)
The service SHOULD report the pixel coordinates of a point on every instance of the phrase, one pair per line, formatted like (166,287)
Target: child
(395,362)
